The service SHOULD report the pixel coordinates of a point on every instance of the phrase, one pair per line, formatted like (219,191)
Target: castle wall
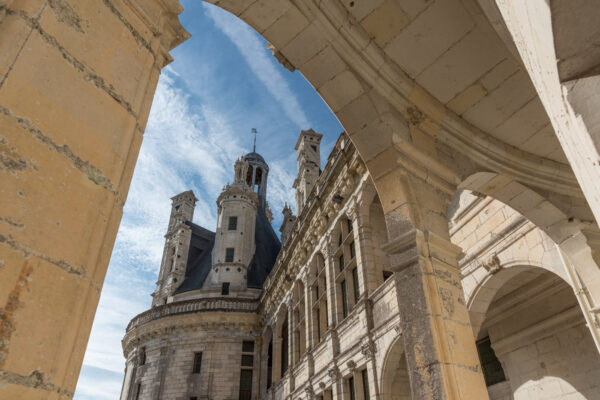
(170,345)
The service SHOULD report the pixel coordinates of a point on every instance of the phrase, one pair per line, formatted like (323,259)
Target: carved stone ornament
(398,329)
(309,392)
(351,365)
(333,373)
(322,385)
(492,265)
(367,348)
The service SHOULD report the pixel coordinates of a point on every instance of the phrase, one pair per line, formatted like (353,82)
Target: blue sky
(223,83)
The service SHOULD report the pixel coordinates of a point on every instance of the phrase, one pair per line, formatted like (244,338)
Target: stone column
(368,350)
(440,349)
(308,322)
(358,230)
(276,372)
(77,79)
(291,344)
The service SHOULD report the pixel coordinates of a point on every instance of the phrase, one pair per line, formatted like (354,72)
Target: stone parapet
(193,306)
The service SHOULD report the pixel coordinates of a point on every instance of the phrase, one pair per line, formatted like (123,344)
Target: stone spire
(288,222)
(309,165)
(177,241)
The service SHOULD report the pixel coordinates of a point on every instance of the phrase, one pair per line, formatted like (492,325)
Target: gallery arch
(425,107)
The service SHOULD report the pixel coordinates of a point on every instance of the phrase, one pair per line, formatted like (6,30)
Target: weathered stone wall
(170,343)
(77,80)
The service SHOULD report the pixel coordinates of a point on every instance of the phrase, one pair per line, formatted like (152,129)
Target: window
(284,347)
(246,370)
(347,275)
(355,285)
(225,289)
(248,346)
(142,356)
(197,363)
(351,387)
(232,226)
(247,360)
(298,322)
(492,369)
(229,253)
(344,299)
(365,383)
(194,398)
(245,384)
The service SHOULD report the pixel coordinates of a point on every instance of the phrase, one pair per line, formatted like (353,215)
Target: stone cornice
(211,304)
(210,323)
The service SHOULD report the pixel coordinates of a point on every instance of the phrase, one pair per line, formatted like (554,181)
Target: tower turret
(234,238)
(256,176)
(309,165)
(176,250)
(288,222)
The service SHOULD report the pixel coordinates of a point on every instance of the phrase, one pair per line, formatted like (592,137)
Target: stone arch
(531,319)
(266,359)
(479,300)
(395,382)
(578,240)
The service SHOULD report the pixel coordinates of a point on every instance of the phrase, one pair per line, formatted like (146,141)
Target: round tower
(234,238)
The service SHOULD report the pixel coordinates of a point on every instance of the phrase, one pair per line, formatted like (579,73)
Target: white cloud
(262,64)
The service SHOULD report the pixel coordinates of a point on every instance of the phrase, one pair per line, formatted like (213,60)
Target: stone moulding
(191,306)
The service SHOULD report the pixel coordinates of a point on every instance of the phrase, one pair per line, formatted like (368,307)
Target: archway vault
(434,117)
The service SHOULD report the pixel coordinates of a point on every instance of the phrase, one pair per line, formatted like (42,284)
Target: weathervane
(254,147)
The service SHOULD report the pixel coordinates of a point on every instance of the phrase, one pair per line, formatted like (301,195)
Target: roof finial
(254,146)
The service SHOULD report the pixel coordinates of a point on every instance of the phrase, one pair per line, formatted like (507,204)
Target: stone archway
(533,341)
(395,382)
(578,240)
(68,167)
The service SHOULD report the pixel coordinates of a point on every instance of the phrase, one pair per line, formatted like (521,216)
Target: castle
(237,315)
(469,175)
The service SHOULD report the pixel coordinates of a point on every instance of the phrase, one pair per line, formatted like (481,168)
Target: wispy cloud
(191,142)
(263,65)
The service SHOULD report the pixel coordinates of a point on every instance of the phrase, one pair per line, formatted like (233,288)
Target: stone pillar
(77,80)
(440,349)
(330,274)
(359,248)
(276,352)
(368,350)
(291,344)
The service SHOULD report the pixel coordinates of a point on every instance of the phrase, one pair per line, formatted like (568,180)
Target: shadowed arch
(395,382)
